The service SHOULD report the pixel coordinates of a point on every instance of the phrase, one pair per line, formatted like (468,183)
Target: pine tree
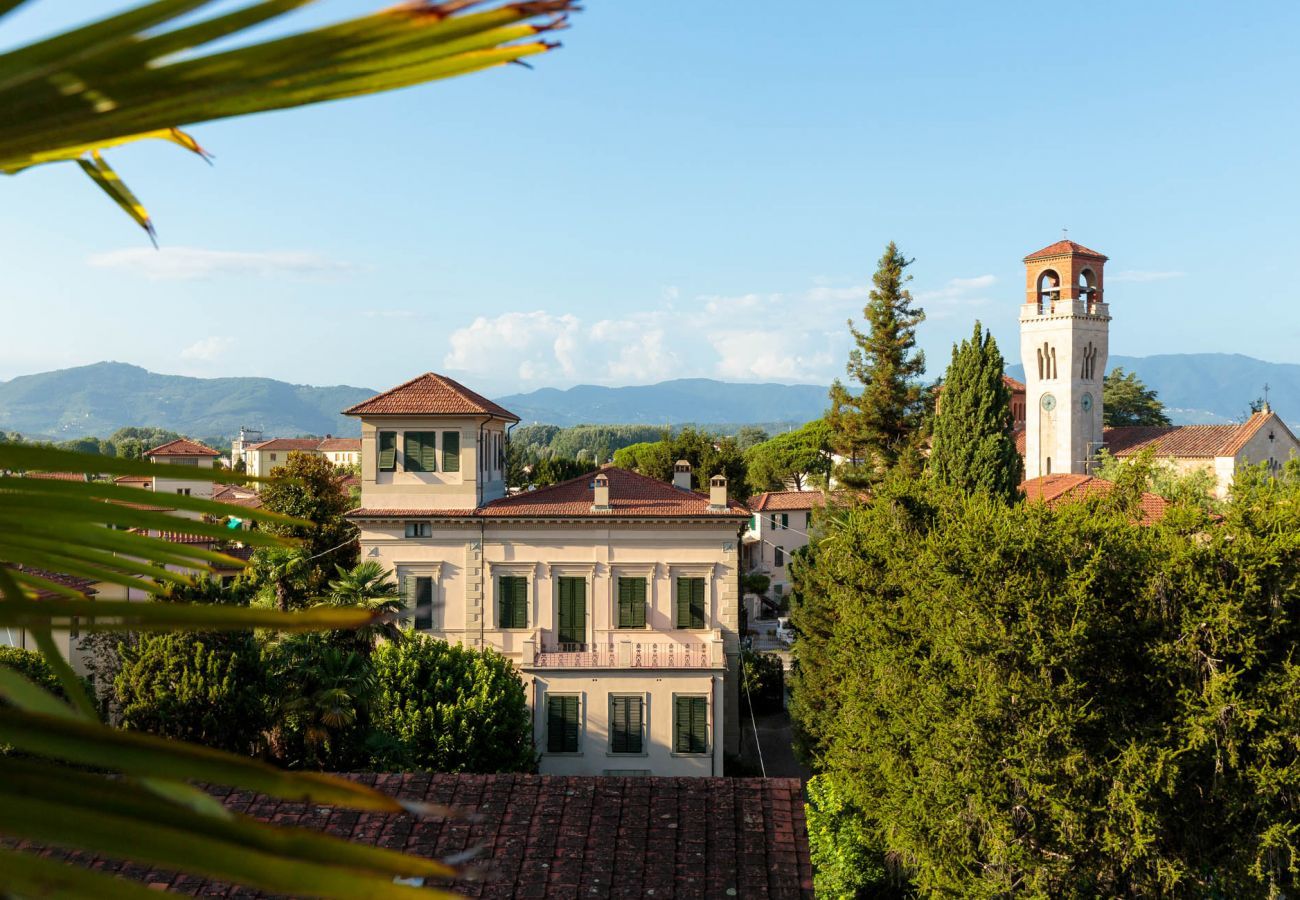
(973,448)
(1125,400)
(878,428)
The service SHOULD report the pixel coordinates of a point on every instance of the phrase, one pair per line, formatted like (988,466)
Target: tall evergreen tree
(1125,400)
(973,448)
(879,427)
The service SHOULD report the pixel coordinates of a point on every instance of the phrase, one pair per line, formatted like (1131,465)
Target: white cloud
(1141,276)
(194,263)
(208,349)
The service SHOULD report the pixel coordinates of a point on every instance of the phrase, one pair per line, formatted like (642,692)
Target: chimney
(600,494)
(717,493)
(682,474)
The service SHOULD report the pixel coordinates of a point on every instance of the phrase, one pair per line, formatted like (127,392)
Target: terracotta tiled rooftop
(430,395)
(81,585)
(287,444)
(1185,440)
(1013,384)
(57,476)
(182,447)
(778,501)
(1061,248)
(551,837)
(340,445)
(631,495)
(237,495)
(134,480)
(1071,488)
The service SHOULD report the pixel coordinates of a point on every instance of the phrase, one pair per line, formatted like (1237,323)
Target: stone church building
(1064,346)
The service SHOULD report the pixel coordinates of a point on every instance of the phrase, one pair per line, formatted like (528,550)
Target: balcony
(622,651)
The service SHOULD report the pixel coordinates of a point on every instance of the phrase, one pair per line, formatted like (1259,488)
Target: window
(626,721)
(419,598)
(420,451)
(273,457)
(690,602)
(631,603)
(512,601)
(562,723)
(571,627)
(772,522)
(387,441)
(690,724)
(418,529)
(779,557)
(451,451)
(753,522)
(184,492)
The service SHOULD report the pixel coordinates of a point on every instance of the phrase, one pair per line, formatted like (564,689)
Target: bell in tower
(1064,345)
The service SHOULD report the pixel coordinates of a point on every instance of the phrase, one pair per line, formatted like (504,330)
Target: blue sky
(691,188)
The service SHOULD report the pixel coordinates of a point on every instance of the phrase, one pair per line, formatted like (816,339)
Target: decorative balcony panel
(631,653)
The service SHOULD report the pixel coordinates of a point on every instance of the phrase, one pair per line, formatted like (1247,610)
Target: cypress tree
(973,448)
(878,428)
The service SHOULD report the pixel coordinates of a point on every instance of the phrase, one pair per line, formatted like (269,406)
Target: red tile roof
(1200,441)
(1015,386)
(1056,489)
(551,837)
(430,395)
(340,445)
(134,480)
(57,476)
(286,444)
(631,495)
(776,501)
(82,585)
(236,495)
(1064,248)
(182,447)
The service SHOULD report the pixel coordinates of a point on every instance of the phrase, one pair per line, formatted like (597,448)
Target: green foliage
(368,585)
(319,703)
(762,682)
(973,448)
(453,709)
(880,426)
(846,855)
(800,459)
(756,583)
(309,487)
(749,436)
(1061,703)
(1126,400)
(32,666)
(1194,488)
(203,688)
(707,453)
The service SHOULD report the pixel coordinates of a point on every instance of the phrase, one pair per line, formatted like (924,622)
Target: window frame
(422,529)
(642,732)
(500,597)
(618,602)
(677,603)
(379,451)
(426,451)
(708,724)
(447,459)
(579,710)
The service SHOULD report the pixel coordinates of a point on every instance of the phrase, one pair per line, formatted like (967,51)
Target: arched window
(1049,290)
(1087,288)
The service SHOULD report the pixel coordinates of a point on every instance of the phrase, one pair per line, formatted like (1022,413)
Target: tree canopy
(876,420)
(800,459)
(1125,400)
(1059,702)
(973,448)
(308,486)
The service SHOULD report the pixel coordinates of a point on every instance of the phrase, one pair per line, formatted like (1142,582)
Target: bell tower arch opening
(1064,345)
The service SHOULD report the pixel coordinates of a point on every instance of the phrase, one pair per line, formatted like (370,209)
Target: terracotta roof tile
(430,395)
(776,501)
(182,447)
(1062,248)
(237,495)
(631,495)
(340,445)
(1200,441)
(134,480)
(83,585)
(1071,488)
(57,476)
(287,444)
(551,836)
(1013,384)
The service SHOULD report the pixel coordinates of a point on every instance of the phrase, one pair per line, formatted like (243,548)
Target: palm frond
(132,77)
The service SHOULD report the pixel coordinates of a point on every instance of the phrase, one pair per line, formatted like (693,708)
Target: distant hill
(1209,388)
(685,400)
(100,398)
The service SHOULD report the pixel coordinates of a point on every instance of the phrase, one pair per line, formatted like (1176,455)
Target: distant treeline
(127,443)
(598,443)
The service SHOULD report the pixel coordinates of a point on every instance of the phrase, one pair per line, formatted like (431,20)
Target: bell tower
(1064,345)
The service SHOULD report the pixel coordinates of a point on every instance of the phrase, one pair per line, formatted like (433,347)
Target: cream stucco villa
(616,595)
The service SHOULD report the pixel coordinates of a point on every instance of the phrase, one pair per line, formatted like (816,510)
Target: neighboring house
(182,452)
(778,527)
(551,838)
(264,457)
(1054,490)
(1064,346)
(65,639)
(616,595)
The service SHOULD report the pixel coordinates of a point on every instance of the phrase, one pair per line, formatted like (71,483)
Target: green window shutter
(387,451)
(690,602)
(562,724)
(690,725)
(512,601)
(423,604)
(573,611)
(625,724)
(785,520)
(408,592)
(451,451)
(421,451)
(631,603)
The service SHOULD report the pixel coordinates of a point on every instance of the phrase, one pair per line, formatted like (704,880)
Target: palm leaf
(132,77)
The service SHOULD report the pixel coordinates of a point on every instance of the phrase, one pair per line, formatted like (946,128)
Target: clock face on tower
(1049,402)
(1086,402)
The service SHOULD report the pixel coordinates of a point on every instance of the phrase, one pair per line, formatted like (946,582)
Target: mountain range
(100,398)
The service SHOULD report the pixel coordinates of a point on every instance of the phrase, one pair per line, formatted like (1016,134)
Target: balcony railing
(618,652)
